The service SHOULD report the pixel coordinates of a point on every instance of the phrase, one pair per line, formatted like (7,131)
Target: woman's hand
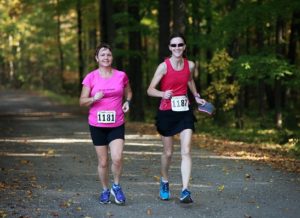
(167,94)
(125,107)
(98,96)
(199,100)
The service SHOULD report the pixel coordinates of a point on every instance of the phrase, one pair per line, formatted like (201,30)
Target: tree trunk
(270,101)
(59,45)
(260,46)
(195,51)
(135,62)
(279,38)
(278,111)
(294,37)
(233,47)
(92,44)
(209,53)
(179,15)
(245,89)
(119,45)
(107,24)
(293,48)
(260,94)
(2,70)
(233,51)
(280,50)
(239,109)
(164,29)
(79,44)
(11,62)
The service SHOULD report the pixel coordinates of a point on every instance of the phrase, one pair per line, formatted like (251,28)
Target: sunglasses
(177,45)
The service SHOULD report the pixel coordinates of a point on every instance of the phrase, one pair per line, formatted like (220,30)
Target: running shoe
(117,192)
(104,197)
(207,108)
(164,192)
(186,197)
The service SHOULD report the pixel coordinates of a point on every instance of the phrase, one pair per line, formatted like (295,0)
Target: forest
(247,53)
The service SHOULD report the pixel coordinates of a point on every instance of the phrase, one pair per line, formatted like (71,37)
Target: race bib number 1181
(106,116)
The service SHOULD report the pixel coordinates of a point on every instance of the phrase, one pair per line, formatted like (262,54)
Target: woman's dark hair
(177,34)
(102,45)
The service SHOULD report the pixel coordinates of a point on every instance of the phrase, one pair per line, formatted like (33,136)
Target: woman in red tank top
(175,115)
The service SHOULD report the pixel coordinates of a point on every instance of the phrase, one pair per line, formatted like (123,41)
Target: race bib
(180,103)
(106,116)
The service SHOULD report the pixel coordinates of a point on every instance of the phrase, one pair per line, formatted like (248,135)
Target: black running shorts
(169,123)
(102,136)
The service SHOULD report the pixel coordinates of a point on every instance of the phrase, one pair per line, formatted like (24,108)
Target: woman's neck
(177,62)
(105,71)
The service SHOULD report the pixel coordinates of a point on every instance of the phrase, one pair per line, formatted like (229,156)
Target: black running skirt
(169,123)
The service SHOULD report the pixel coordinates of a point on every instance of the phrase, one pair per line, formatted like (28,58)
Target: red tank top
(174,80)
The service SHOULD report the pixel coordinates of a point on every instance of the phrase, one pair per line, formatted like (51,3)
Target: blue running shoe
(104,197)
(164,192)
(117,192)
(186,197)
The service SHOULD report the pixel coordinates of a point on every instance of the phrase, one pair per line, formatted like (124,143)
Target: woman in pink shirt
(175,114)
(103,91)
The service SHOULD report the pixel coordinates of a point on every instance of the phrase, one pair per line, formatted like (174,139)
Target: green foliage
(250,68)
(246,16)
(221,91)
(296,146)
(252,133)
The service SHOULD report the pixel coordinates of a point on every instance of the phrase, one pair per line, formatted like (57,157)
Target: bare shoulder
(159,73)
(191,66)
(161,69)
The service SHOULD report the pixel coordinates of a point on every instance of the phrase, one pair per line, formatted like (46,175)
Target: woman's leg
(186,160)
(102,154)
(116,149)
(166,156)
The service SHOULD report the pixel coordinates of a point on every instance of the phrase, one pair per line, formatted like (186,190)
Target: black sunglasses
(177,45)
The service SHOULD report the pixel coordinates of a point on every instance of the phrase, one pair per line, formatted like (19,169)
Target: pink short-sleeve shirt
(113,89)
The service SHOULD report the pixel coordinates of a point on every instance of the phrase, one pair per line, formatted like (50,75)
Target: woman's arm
(192,85)
(191,82)
(152,90)
(128,92)
(128,97)
(85,99)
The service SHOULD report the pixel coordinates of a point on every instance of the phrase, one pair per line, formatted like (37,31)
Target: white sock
(164,181)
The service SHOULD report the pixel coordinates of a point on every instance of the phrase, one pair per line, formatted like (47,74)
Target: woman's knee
(117,160)
(168,150)
(103,163)
(185,152)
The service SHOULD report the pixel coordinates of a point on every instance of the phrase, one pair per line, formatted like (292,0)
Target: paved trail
(48,169)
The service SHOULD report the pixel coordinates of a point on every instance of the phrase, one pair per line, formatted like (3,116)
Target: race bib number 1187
(106,116)
(180,103)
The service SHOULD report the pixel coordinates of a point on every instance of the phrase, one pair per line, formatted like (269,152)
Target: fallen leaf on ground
(149,211)
(221,188)
(24,161)
(247,176)
(157,178)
